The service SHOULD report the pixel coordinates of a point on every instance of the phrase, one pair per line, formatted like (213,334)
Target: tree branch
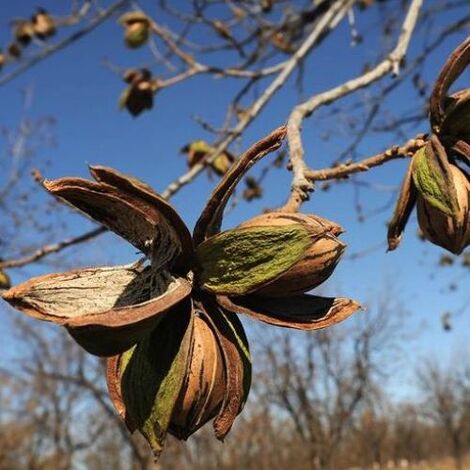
(346,169)
(301,185)
(330,19)
(49,50)
(52,248)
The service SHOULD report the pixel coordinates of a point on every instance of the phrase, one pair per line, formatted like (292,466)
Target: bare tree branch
(346,169)
(49,50)
(52,248)
(301,185)
(327,22)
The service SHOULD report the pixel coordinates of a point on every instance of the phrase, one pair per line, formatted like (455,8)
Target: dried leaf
(14,50)
(199,149)
(253,190)
(24,32)
(222,163)
(43,24)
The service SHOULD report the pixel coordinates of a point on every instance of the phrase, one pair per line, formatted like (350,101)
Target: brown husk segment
(405,204)
(457,115)
(139,189)
(152,375)
(210,220)
(106,310)
(316,266)
(316,224)
(113,381)
(114,369)
(131,217)
(203,389)
(237,361)
(303,312)
(455,65)
(461,149)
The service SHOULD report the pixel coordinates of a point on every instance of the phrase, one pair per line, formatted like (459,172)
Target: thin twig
(346,169)
(52,248)
(49,50)
(301,185)
(330,19)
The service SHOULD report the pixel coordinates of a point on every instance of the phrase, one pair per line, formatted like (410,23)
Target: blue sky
(81,93)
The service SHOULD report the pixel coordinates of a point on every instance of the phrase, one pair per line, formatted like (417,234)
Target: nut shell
(319,260)
(451,232)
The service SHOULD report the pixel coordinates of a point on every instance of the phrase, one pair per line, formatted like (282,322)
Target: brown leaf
(44,24)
